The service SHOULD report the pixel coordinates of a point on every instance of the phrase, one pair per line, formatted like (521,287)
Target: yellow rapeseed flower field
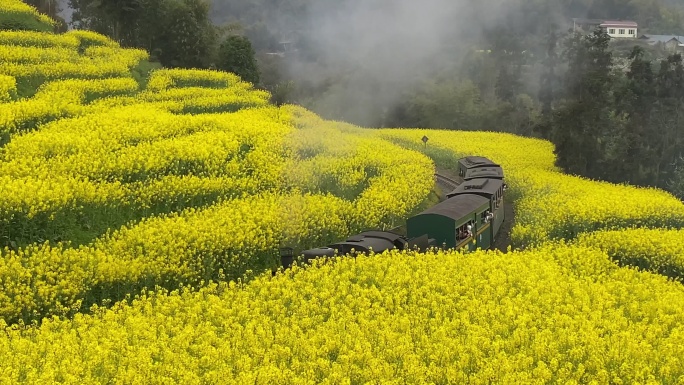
(8,88)
(549,204)
(480,318)
(39,39)
(184,186)
(657,250)
(195,155)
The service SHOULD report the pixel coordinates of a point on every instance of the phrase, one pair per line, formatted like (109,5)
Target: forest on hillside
(610,106)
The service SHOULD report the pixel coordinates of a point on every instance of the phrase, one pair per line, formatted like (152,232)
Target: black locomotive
(470,217)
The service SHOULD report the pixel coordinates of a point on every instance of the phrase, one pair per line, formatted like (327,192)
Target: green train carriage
(470,217)
(492,190)
(454,223)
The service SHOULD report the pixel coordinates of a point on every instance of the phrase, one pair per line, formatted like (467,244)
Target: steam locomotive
(469,218)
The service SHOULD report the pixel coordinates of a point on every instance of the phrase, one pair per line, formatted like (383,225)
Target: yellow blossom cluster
(656,250)
(8,88)
(34,57)
(478,318)
(143,158)
(549,204)
(89,38)
(193,100)
(353,163)
(72,39)
(232,237)
(59,99)
(139,156)
(558,206)
(39,39)
(178,78)
(116,64)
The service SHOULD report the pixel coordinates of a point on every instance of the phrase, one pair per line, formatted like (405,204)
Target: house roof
(619,23)
(655,39)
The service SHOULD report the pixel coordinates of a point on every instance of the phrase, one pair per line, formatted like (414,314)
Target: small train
(470,217)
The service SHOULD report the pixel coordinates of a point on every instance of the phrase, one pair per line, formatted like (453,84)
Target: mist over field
(379,49)
(359,57)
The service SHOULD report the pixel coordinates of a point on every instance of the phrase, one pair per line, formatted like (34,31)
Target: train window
(464,231)
(486,216)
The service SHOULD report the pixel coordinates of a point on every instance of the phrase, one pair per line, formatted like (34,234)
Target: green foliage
(141,72)
(585,120)
(620,125)
(236,55)
(22,21)
(676,184)
(178,33)
(445,105)
(51,8)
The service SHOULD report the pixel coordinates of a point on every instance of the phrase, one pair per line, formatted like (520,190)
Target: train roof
(476,161)
(482,187)
(377,240)
(457,207)
(495,172)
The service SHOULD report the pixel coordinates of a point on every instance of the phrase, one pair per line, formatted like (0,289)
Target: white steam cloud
(369,51)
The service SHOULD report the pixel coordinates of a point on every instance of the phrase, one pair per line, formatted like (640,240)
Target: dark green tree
(548,84)
(583,126)
(237,56)
(192,42)
(508,82)
(178,33)
(668,119)
(549,78)
(636,105)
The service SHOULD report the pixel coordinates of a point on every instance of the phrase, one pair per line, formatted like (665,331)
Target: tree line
(177,33)
(620,124)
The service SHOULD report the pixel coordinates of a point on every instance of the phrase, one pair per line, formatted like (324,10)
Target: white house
(614,28)
(620,28)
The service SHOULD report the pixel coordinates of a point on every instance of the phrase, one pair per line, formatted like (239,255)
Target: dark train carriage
(491,189)
(473,162)
(454,223)
(377,241)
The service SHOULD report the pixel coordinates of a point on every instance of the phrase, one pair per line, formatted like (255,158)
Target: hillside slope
(172,192)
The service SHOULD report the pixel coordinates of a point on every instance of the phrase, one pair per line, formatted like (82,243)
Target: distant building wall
(621,29)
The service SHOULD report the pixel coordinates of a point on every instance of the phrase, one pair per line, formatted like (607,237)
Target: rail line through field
(446,181)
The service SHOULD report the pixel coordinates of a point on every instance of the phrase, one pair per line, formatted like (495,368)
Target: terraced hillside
(141,212)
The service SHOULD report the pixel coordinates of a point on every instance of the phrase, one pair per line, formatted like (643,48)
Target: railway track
(446,181)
